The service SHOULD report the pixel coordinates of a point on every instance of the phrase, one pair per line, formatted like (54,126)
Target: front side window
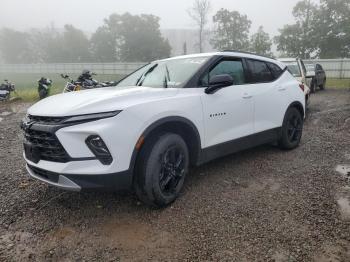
(259,72)
(233,68)
(172,73)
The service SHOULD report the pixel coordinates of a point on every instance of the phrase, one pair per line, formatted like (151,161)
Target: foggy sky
(89,14)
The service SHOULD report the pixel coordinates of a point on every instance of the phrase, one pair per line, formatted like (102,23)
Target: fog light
(99,149)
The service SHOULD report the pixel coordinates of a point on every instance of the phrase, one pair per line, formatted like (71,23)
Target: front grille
(46,119)
(47,146)
(47,175)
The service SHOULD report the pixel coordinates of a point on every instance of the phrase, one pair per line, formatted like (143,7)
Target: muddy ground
(260,205)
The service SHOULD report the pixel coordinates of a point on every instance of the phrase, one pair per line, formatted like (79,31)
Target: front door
(228,113)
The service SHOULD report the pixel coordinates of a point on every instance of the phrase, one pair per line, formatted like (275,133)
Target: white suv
(145,133)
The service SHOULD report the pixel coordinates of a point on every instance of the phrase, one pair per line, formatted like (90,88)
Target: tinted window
(275,70)
(233,68)
(259,72)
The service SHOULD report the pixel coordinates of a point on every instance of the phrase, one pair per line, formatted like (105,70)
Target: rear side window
(233,68)
(259,72)
(275,70)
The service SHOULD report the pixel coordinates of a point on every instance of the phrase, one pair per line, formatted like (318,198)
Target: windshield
(293,68)
(172,73)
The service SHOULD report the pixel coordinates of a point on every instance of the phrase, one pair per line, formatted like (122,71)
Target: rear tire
(313,87)
(292,129)
(323,86)
(161,170)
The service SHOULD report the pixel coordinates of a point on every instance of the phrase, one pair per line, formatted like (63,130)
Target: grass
(26,84)
(338,83)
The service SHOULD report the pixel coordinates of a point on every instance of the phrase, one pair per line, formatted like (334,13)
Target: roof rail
(248,53)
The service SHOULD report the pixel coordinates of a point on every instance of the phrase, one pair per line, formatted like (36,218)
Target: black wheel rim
(172,169)
(295,128)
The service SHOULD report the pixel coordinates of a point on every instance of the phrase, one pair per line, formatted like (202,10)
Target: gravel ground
(260,205)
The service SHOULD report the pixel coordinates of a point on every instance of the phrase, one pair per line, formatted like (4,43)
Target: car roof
(230,54)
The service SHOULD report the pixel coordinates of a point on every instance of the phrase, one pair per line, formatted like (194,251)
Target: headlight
(90,117)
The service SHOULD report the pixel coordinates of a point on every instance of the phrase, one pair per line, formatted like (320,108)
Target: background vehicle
(319,80)
(84,81)
(145,133)
(297,68)
(44,85)
(5,90)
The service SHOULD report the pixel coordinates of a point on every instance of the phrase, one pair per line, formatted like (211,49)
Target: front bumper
(121,181)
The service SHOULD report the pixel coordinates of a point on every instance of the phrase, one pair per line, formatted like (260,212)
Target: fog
(88,15)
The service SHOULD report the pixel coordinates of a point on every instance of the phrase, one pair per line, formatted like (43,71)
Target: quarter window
(233,68)
(275,70)
(259,72)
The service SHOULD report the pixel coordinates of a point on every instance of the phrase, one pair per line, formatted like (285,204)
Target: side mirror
(218,82)
(310,74)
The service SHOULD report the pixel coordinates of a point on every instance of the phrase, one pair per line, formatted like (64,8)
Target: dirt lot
(260,205)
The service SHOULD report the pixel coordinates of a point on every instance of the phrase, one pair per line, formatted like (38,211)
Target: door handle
(247,96)
(281,88)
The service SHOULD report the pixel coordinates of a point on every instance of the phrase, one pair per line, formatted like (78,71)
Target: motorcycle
(5,90)
(85,81)
(44,85)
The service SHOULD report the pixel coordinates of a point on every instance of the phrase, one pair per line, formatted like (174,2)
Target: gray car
(319,79)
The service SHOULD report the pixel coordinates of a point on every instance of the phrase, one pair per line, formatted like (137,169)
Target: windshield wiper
(143,76)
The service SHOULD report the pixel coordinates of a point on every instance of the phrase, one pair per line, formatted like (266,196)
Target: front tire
(161,170)
(292,129)
(323,86)
(42,94)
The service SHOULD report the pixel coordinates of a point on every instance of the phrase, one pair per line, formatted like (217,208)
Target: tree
(231,30)
(51,46)
(200,13)
(333,27)
(300,39)
(47,45)
(137,37)
(75,45)
(103,45)
(260,43)
(15,46)
(289,42)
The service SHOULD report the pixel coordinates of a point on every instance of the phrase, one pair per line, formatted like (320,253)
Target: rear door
(228,113)
(269,92)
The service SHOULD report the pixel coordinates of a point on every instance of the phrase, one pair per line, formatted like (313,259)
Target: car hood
(98,100)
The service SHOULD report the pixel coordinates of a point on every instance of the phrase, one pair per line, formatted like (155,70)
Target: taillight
(302,87)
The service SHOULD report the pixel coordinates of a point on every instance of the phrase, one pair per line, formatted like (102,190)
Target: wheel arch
(299,106)
(172,124)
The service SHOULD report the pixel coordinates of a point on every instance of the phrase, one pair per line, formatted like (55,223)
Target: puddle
(6,113)
(344,206)
(344,170)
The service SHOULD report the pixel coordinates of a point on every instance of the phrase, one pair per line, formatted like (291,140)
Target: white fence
(335,68)
(71,68)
